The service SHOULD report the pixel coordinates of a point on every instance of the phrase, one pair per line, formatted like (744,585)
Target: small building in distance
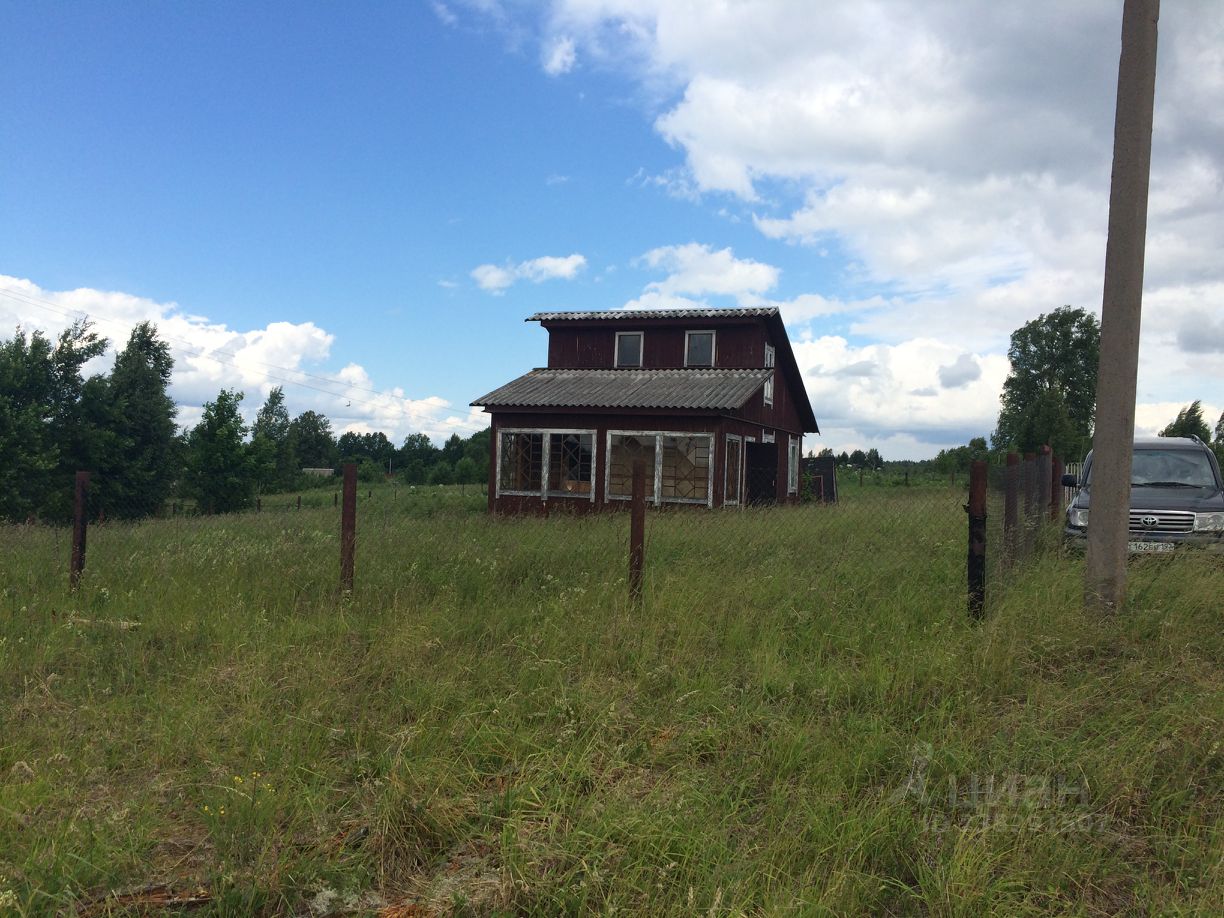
(711,399)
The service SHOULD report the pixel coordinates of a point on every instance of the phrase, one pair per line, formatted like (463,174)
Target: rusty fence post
(1045,467)
(637,532)
(1056,489)
(1011,508)
(976,566)
(335,498)
(348,526)
(79,525)
(1028,480)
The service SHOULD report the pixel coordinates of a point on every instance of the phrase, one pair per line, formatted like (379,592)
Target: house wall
(576,346)
(736,346)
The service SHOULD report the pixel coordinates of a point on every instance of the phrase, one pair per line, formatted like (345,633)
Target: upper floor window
(769,383)
(628,349)
(699,349)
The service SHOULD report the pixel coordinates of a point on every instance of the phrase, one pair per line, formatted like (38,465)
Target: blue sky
(367,199)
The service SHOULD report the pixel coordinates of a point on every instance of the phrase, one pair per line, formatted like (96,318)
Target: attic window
(628,349)
(699,349)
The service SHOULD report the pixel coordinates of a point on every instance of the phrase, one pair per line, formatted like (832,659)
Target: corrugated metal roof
(692,389)
(756,312)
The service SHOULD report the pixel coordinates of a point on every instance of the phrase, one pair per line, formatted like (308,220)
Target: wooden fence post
(348,526)
(637,532)
(1045,464)
(1011,508)
(976,566)
(79,525)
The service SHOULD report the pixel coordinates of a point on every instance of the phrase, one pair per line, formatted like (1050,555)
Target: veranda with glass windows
(584,468)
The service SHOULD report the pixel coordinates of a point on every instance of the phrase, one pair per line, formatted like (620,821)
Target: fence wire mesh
(898,538)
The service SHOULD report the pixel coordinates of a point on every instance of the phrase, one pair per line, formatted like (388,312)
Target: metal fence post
(1056,489)
(1028,479)
(1011,507)
(348,526)
(79,526)
(637,532)
(1045,462)
(977,538)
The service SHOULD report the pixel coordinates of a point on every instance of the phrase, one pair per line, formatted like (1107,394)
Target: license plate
(1149,546)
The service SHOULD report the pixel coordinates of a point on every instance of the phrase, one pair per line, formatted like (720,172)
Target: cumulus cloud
(879,392)
(497,278)
(560,56)
(958,153)
(210,356)
(964,370)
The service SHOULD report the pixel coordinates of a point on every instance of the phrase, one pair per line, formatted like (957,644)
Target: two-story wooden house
(712,399)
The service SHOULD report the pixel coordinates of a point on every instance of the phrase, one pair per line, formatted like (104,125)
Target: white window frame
(658,464)
(770,360)
(766,437)
(793,454)
(544,493)
(641,351)
(739,485)
(713,333)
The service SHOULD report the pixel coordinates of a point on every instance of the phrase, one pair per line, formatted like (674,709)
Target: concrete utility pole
(1113,435)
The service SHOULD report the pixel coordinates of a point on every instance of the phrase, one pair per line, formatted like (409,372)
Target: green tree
(452,449)
(466,472)
(28,454)
(142,470)
(1189,423)
(1054,353)
(272,442)
(311,437)
(220,473)
(417,446)
(442,474)
(415,472)
(1217,443)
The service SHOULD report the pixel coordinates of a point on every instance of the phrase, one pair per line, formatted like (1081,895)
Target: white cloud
(698,269)
(496,278)
(560,56)
(444,13)
(879,392)
(210,356)
(964,370)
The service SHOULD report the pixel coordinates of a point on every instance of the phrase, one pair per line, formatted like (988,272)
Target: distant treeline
(120,426)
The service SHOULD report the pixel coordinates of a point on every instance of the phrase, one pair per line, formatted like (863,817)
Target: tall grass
(801,718)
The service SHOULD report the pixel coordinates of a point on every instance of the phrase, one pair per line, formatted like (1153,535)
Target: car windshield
(1171,468)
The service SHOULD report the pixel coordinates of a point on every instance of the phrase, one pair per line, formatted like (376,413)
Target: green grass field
(801,719)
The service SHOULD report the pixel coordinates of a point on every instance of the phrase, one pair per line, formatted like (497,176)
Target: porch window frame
(739,485)
(794,452)
(658,435)
(546,432)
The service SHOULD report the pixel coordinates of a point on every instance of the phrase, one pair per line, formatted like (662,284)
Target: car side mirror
(1069,481)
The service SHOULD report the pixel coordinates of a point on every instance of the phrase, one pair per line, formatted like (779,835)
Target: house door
(761,473)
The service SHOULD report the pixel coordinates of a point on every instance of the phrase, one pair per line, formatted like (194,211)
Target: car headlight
(1077,518)
(1208,522)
